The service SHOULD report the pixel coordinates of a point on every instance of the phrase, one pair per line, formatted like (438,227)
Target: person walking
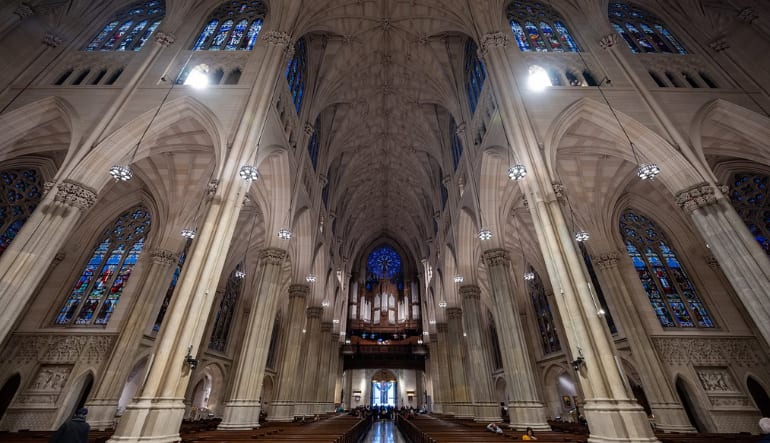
(74,430)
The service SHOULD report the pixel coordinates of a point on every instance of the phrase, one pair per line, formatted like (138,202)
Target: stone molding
(314,312)
(272,256)
(454,313)
(298,290)
(609,41)
(472,292)
(58,348)
(164,39)
(696,197)
(327,327)
(52,39)
(75,195)
(740,351)
(442,327)
(497,257)
(492,40)
(164,257)
(606,260)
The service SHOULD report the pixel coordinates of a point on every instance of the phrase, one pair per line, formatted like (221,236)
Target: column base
(155,420)
(463,410)
(240,415)
(486,412)
(527,414)
(671,418)
(101,413)
(613,421)
(282,411)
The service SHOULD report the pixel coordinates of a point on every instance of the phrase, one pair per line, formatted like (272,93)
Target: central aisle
(384,431)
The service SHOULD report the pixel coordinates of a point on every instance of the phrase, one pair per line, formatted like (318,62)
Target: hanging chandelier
(517,172)
(188,233)
(121,173)
(582,236)
(284,234)
(442,304)
(249,173)
(529,275)
(648,171)
(459,278)
(485,234)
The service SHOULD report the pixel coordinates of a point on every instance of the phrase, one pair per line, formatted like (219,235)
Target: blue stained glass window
(296,72)
(549,338)
(128,30)
(671,293)
(543,30)
(748,194)
(475,74)
(20,193)
(654,35)
(233,26)
(384,263)
(104,278)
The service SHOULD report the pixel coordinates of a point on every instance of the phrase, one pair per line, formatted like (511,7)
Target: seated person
(530,435)
(492,427)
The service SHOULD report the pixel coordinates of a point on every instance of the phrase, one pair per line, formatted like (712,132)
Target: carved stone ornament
(558,190)
(719,44)
(212,188)
(441,327)
(460,130)
(454,313)
(75,195)
(747,15)
(314,312)
(492,40)
(470,292)
(496,257)
(278,38)
(607,260)
(24,10)
(58,348)
(738,351)
(52,39)
(164,38)
(712,262)
(298,291)
(308,129)
(163,257)
(59,257)
(47,186)
(525,202)
(696,197)
(608,41)
(272,256)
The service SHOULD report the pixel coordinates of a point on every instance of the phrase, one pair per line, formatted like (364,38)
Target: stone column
(309,368)
(433,382)
(156,415)
(611,413)
(103,402)
(242,408)
(525,407)
(461,398)
(664,402)
(35,247)
(324,393)
(283,408)
(443,385)
(484,406)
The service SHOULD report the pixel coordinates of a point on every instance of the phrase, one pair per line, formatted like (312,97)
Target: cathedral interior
(265,210)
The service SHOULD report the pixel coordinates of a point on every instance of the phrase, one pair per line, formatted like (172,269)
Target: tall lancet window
(20,193)
(233,26)
(130,28)
(226,310)
(549,338)
(296,73)
(97,292)
(748,194)
(538,27)
(671,293)
(643,31)
(475,74)
(171,287)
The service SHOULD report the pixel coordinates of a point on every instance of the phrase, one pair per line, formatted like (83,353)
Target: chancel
(336,220)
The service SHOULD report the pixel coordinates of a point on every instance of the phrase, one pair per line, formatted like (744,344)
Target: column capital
(558,190)
(609,41)
(164,38)
(606,260)
(280,38)
(747,15)
(298,290)
(272,256)
(309,129)
(712,262)
(696,197)
(441,327)
(211,188)
(719,44)
(75,195)
(326,327)
(497,257)
(314,312)
(495,39)
(454,313)
(52,39)
(23,10)
(164,257)
(472,292)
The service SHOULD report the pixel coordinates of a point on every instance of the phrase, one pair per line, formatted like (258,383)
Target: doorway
(7,393)
(689,406)
(758,393)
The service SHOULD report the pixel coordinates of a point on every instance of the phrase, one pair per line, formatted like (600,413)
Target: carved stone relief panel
(717,379)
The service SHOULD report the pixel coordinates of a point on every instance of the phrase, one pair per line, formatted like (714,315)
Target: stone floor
(384,431)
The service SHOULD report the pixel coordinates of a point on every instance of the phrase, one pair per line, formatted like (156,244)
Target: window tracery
(130,28)
(748,194)
(475,74)
(20,193)
(549,338)
(538,27)
(233,26)
(642,31)
(226,311)
(107,272)
(296,73)
(671,293)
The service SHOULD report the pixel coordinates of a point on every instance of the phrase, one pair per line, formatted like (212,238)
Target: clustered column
(461,404)
(311,362)
(444,381)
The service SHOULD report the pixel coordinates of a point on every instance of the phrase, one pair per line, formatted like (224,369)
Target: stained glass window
(233,26)
(672,295)
(97,292)
(226,311)
(130,28)
(642,31)
(539,27)
(549,338)
(384,263)
(171,287)
(20,193)
(296,73)
(748,194)
(475,74)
